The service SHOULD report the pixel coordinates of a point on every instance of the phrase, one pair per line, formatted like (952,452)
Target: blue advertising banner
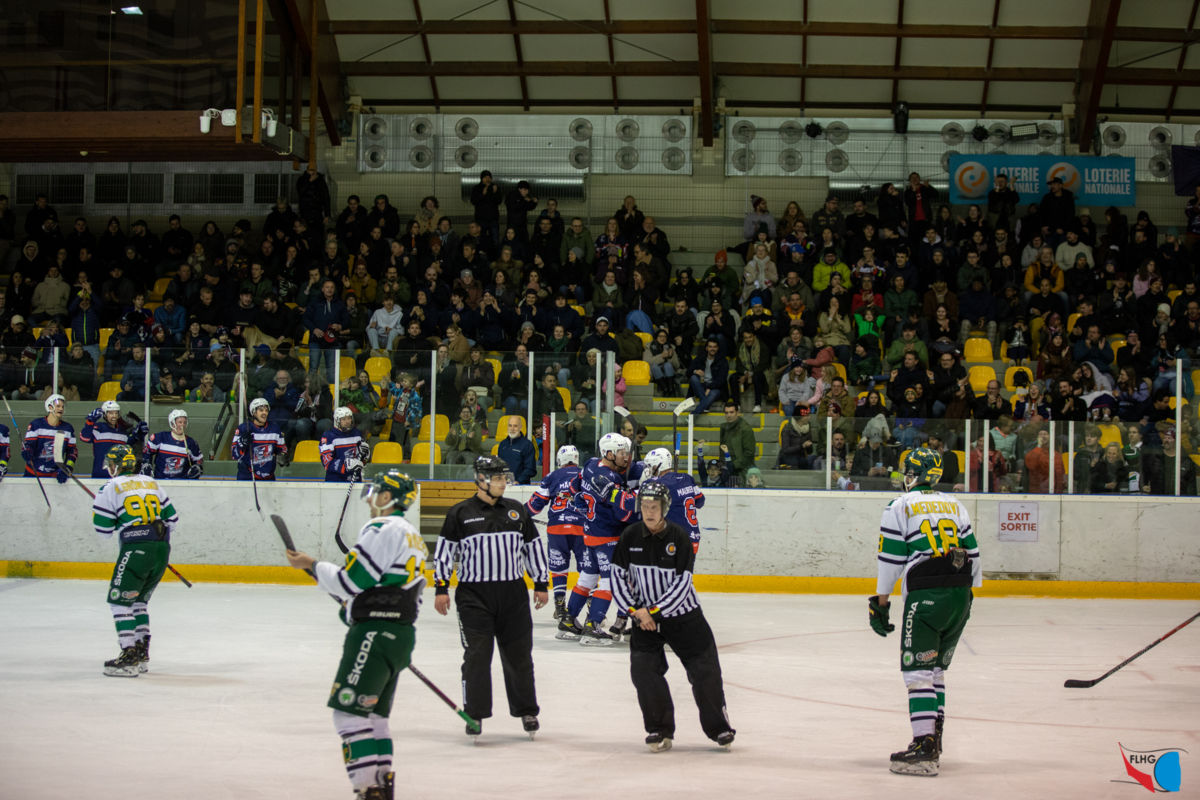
(1107,181)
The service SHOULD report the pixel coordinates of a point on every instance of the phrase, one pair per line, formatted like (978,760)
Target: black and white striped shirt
(490,543)
(654,571)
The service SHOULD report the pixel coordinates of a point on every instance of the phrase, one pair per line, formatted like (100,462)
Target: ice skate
(921,758)
(530,723)
(725,739)
(619,629)
(595,636)
(124,665)
(560,608)
(937,732)
(143,648)
(658,742)
(568,630)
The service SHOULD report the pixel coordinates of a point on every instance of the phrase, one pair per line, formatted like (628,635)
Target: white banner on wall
(1018,522)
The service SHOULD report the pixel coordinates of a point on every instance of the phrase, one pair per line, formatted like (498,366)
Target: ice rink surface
(234,704)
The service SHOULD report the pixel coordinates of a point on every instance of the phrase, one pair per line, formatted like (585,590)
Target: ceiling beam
(516,35)
(705,71)
(428,57)
(329,85)
(1093,66)
(804,56)
(899,44)
(612,59)
(1191,26)
(983,96)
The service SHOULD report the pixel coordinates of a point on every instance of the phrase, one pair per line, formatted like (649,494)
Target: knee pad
(587,580)
(918,680)
(604,584)
(380,726)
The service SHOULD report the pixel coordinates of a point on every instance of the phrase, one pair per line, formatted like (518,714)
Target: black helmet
(654,490)
(487,466)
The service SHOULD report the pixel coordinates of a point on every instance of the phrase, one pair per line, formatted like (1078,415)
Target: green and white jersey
(919,526)
(129,505)
(390,553)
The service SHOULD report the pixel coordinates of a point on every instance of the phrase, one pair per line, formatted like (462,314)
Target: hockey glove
(148,468)
(64,473)
(353,464)
(95,415)
(140,430)
(879,616)
(364,450)
(3,470)
(194,472)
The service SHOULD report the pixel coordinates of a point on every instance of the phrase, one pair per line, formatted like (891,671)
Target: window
(220,188)
(122,187)
(61,189)
(269,188)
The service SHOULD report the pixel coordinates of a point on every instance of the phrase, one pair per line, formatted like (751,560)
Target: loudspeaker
(674,130)
(900,118)
(420,157)
(627,130)
(580,129)
(1113,136)
(466,156)
(627,157)
(421,128)
(1160,165)
(1160,136)
(580,157)
(375,156)
(466,129)
(375,127)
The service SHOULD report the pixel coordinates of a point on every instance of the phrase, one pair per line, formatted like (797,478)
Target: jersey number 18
(947,532)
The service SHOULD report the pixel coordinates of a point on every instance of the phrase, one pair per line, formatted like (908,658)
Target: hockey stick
(58,450)
(282,528)
(250,454)
(16,432)
(337,533)
(1075,683)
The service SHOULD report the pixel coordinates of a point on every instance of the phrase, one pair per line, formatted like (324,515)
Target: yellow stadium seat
(388,453)
(1116,346)
(304,338)
(977,351)
(645,337)
(108,391)
(441,427)
(566,396)
(502,425)
(152,305)
(303,359)
(1010,375)
(378,368)
(841,371)
(347,367)
(496,367)
(962,460)
(307,452)
(105,333)
(979,377)
(1171,295)
(37,333)
(1109,434)
(421,450)
(636,373)
(1004,351)
(579,310)
(496,449)
(160,288)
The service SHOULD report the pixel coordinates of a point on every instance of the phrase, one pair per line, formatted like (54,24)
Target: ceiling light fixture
(132,10)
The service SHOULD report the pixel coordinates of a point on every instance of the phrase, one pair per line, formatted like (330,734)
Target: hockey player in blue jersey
(259,440)
(686,497)
(104,428)
(564,528)
(172,454)
(38,446)
(607,506)
(4,448)
(342,448)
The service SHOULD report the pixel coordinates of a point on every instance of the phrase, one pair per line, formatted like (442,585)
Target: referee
(495,544)
(652,579)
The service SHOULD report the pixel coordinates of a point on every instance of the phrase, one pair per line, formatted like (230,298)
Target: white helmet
(54,400)
(178,413)
(658,461)
(567,454)
(614,443)
(340,413)
(110,405)
(258,403)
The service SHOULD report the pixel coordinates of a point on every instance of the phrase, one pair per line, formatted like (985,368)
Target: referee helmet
(653,490)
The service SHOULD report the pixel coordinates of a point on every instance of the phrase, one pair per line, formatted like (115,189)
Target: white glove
(353,463)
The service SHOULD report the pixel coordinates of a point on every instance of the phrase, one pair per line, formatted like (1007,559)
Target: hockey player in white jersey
(380,588)
(137,510)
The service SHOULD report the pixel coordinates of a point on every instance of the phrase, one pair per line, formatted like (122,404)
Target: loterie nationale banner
(1107,181)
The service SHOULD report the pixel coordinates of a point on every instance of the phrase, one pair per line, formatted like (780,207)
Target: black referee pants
(496,611)
(692,640)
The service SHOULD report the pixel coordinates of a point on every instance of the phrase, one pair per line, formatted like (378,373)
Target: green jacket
(738,436)
(895,353)
(896,305)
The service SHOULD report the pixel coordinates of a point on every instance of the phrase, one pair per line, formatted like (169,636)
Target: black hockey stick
(58,445)
(281,526)
(337,533)
(1075,683)
(250,453)
(17,432)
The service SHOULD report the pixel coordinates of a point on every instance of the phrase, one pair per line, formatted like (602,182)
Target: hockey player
(343,450)
(607,507)
(564,528)
(380,589)
(686,497)
(134,508)
(38,446)
(172,453)
(926,539)
(652,580)
(105,427)
(4,451)
(259,441)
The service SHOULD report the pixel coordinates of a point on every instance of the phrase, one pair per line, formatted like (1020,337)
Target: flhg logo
(1157,770)
(971,179)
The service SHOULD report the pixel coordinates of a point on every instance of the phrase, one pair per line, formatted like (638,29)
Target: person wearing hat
(17,337)
(600,339)
(723,277)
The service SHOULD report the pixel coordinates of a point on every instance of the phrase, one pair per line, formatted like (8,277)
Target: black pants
(692,640)
(496,611)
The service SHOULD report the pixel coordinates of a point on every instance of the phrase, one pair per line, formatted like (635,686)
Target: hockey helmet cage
(567,454)
(658,461)
(120,460)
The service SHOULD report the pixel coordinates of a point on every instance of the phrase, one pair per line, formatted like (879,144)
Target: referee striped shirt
(490,543)
(654,571)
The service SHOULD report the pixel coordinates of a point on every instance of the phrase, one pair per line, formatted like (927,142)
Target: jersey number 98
(144,509)
(947,532)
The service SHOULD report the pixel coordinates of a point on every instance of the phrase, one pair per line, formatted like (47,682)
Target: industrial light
(134,10)
(1027,130)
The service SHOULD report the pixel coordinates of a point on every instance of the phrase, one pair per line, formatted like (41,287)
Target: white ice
(234,706)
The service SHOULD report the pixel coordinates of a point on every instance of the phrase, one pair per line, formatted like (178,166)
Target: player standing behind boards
(4,451)
(380,587)
(686,497)
(141,515)
(607,507)
(259,441)
(495,543)
(38,445)
(343,449)
(926,538)
(652,580)
(564,528)
(105,428)
(172,453)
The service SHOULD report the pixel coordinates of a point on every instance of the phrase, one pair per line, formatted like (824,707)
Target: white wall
(746,532)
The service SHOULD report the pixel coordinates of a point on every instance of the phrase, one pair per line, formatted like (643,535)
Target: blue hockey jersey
(172,459)
(103,437)
(557,490)
(38,447)
(336,446)
(686,499)
(267,442)
(606,505)
(3,450)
